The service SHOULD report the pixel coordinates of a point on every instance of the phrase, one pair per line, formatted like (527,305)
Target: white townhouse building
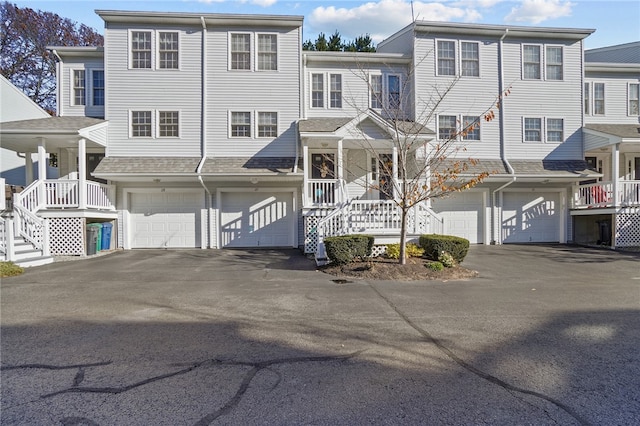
(216,130)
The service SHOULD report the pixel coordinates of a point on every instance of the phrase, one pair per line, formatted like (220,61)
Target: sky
(615,21)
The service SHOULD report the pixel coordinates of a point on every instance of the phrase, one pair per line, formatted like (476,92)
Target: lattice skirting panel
(66,236)
(628,226)
(311,220)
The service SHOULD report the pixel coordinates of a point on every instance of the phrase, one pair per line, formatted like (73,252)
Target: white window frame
(104,90)
(257,121)
(587,95)
(455,127)
(251,125)
(72,74)
(477,43)
(629,99)
(540,63)
(546,62)
(230,52)
(542,130)
(131,111)
(158,124)
(593,99)
(324,90)
(455,57)
(257,51)
(387,93)
(478,128)
(380,100)
(331,91)
(130,48)
(158,53)
(546,130)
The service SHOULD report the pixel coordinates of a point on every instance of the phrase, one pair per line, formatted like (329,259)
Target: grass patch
(10,269)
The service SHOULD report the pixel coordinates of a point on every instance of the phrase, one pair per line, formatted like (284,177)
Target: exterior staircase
(25,255)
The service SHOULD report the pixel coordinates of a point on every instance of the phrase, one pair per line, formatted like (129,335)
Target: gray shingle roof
(491,166)
(249,165)
(628,53)
(561,168)
(147,165)
(330,124)
(58,124)
(620,130)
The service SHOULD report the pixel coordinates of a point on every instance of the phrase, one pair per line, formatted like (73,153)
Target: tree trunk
(403,237)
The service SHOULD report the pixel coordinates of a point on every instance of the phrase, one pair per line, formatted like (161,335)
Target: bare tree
(428,166)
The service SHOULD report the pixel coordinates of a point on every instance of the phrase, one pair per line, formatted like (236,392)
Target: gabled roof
(624,131)
(65,124)
(335,124)
(23,135)
(321,125)
(628,53)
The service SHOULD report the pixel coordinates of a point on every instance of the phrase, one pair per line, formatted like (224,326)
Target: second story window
(335,90)
(317,90)
(168,124)
(393,91)
(533,130)
(240,51)
(375,91)
(141,49)
(98,87)
(555,129)
(446,127)
(168,50)
(470,59)
(267,124)
(587,98)
(553,61)
(598,98)
(471,128)
(267,52)
(79,87)
(141,124)
(241,124)
(531,62)
(446,57)
(634,98)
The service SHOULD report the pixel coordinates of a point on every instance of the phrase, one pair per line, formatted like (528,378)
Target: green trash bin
(94,238)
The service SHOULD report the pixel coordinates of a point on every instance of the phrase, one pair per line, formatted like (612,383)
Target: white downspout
(59,85)
(203,130)
(503,149)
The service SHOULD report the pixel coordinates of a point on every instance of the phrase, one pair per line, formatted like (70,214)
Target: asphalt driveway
(545,335)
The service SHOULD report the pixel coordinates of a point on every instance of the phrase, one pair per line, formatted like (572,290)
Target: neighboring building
(608,211)
(220,132)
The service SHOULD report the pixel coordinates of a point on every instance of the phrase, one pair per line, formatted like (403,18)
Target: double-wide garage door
(257,219)
(165,219)
(531,217)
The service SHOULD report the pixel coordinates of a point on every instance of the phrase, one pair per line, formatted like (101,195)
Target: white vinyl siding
(93,78)
(634,98)
(335,90)
(168,51)
(141,49)
(240,47)
(470,59)
(531,62)
(619,97)
(267,52)
(446,57)
(79,87)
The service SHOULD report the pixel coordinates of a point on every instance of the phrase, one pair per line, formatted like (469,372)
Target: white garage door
(463,215)
(254,219)
(531,217)
(167,219)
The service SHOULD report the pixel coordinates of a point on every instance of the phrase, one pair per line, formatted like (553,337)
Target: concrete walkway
(545,335)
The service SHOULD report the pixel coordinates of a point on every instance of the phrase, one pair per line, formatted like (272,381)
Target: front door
(323,168)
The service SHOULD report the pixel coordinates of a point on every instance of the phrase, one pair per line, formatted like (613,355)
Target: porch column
(82,173)
(42,159)
(305,174)
(394,157)
(340,171)
(28,169)
(615,171)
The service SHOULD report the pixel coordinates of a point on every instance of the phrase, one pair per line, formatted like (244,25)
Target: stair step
(34,261)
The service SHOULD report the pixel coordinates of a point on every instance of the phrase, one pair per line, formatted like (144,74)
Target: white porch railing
(600,194)
(63,193)
(32,228)
(324,192)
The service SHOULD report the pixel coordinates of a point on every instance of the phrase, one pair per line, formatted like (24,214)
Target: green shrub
(434,245)
(412,250)
(10,269)
(447,260)
(435,266)
(345,248)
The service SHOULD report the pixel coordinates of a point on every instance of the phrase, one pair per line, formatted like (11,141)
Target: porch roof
(534,170)
(250,165)
(24,135)
(623,131)
(322,125)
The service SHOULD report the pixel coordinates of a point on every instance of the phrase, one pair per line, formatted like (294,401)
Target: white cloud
(384,17)
(536,11)
(264,3)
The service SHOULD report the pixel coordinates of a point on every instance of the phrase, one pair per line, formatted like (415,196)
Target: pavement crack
(483,375)
(53,367)
(79,377)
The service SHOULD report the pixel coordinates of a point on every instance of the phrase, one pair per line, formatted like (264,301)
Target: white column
(394,156)
(340,174)
(82,173)
(42,159)
(28,169)
(615,171)
(306,172)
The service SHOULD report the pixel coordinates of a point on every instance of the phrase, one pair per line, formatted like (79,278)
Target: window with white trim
(241,124)
(141,49)
(168,124)
(141,124)
(168,50)
(240,51)
(587,98)
(97,87)
(634,98)
(394,88)
(553,63)
(532,129)
(267,124)
(375,91)
(470,59)
(317,90)
(531,61)
(79,87)
(598,98)
(447,125)
(267,52)
(470,128)
(335,90)
(446,57)
(555,129)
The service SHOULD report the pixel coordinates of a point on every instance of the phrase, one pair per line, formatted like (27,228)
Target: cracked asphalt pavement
(546,335)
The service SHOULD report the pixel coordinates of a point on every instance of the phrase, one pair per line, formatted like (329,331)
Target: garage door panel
(531,217)
(257,219)
(463,215)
